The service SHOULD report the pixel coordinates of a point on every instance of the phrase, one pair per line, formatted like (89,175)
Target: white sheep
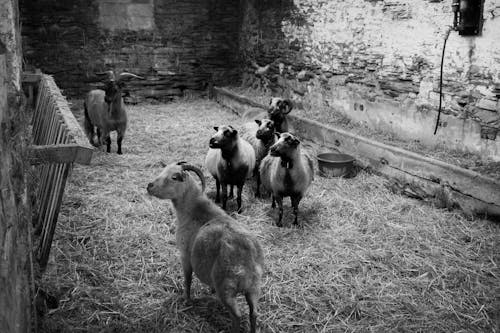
(220,251)
(286,172)
(230,160)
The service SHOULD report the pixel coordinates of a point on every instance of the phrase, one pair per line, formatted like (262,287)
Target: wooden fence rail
(57,142)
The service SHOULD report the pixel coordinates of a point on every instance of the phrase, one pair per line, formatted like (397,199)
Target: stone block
(488,104)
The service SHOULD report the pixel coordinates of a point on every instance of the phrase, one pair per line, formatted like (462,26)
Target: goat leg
(231,192)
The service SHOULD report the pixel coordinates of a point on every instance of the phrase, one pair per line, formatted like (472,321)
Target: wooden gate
(58,141)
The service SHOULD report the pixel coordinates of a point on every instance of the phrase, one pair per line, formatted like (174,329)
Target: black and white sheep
(105,112)
(220,251)
(261,134)
(230,160)
(286,172)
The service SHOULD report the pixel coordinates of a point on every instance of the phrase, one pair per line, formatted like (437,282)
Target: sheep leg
(217,186)
(188,277)
(256,174)
(295,204)
(230,303)
(98,136)
(119,139)
(238,198)
(231,192)
(106,140)
(224,195)
(279,199)
(252,300)
(88,126)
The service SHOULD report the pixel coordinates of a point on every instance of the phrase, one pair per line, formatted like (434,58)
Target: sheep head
(172,182)
(285,146)
(279,107)
(266,129)
(225,138)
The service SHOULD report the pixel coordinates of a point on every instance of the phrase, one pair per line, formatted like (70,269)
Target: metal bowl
(335,165)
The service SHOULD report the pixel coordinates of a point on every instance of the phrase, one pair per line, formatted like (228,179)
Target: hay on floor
(366,260)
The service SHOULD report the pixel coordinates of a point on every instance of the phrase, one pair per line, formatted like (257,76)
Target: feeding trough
(335,165)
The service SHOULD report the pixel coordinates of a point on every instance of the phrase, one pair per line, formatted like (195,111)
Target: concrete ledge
(410,173)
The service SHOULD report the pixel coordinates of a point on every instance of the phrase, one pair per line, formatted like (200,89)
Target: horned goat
(220,251)
(105,111)
(286,172)
(261,135)
(230,160)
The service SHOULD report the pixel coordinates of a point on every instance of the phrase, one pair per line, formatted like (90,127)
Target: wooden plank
(59,153)
(75,130)
(31,78)
(473,192)
(46,242)
(240,98)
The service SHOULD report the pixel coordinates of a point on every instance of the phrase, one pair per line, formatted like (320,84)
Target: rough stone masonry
(378,62)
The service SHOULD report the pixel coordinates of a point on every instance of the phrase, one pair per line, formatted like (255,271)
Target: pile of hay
(366,260)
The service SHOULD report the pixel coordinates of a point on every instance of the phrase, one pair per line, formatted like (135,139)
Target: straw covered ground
(366,260)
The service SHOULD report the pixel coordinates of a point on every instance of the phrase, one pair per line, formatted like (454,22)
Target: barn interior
(407,242)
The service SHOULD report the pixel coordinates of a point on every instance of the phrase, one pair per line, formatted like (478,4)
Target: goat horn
(289,105)
(110,74)
(196,170)
(125,76)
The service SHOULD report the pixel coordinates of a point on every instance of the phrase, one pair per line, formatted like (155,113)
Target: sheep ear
(234,132)
(296,142)
(216,128)
(258,122)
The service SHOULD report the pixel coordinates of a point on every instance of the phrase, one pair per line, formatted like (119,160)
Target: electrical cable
(441,79)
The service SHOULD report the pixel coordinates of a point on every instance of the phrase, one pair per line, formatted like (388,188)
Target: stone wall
(177,45)
(14,290)
(377,61)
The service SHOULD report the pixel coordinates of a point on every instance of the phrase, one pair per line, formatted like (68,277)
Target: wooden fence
(58,141)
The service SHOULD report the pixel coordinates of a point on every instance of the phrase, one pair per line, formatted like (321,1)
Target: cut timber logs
(409,173)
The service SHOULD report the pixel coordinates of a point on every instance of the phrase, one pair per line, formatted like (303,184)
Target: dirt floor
(334,118)
(367,260)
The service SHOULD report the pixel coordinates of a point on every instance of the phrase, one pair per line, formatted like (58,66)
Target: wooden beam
(473,192)
(60,153)
(31,78)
